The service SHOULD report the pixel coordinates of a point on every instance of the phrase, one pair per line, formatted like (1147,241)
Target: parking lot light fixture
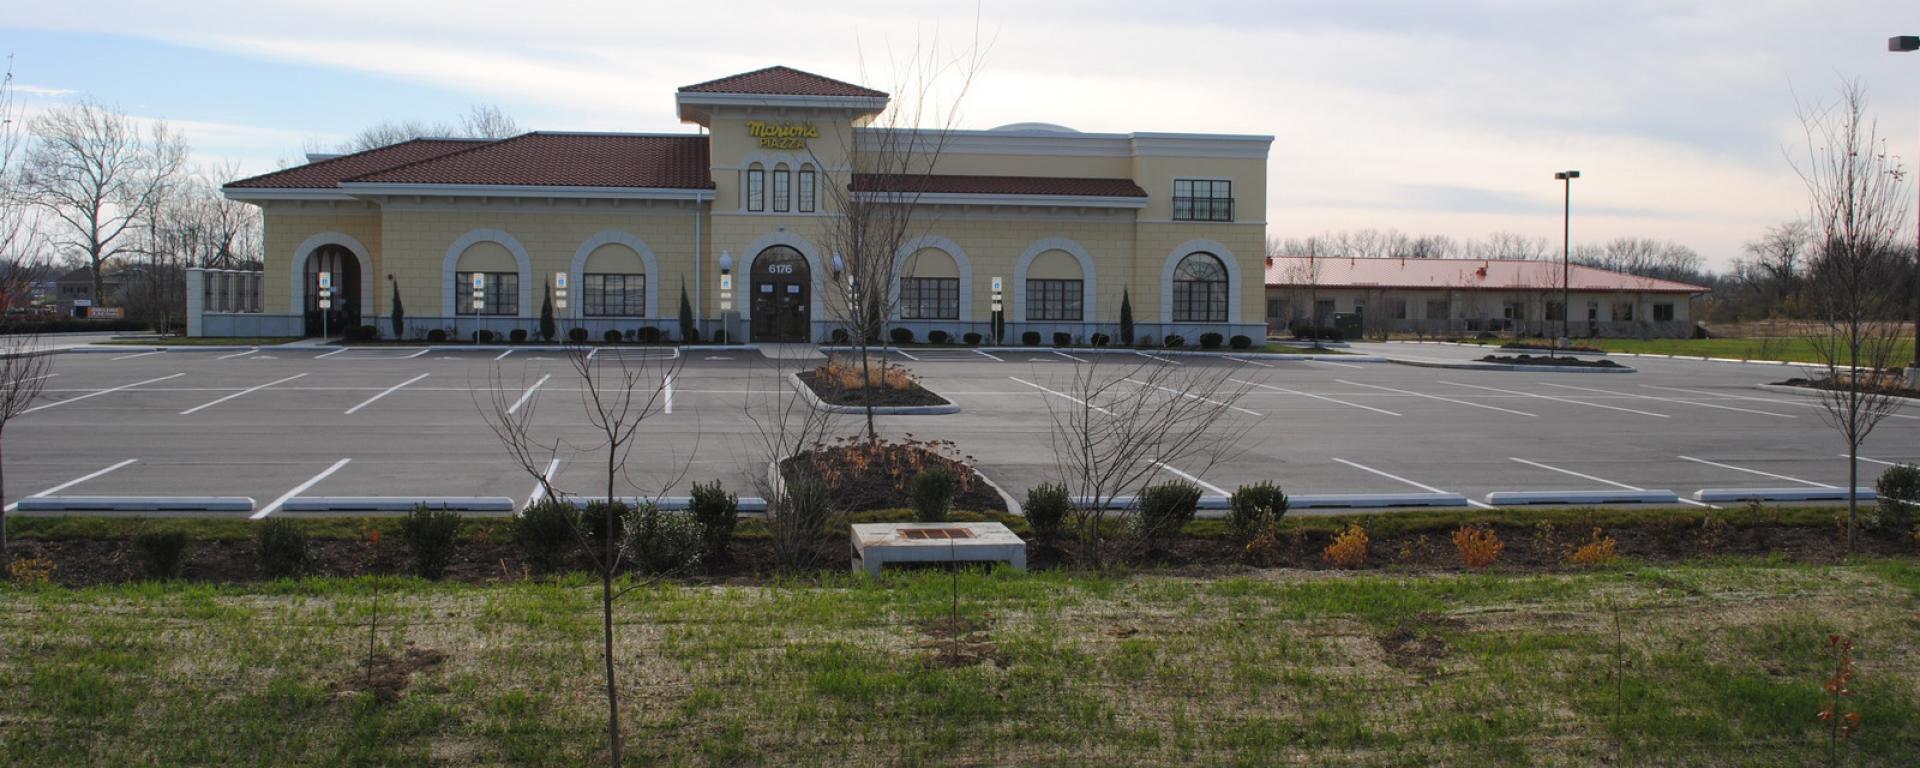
(1909,44)
(1566,252)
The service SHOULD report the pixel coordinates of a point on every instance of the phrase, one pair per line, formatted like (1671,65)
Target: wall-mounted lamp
(839,264)
(726,262)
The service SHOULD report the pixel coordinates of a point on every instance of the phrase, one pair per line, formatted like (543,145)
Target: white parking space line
(1437,397)
(1330,362)
(247,391)
(331,354)
(1670,400)
(1559,399)
(238,354)
(1314,396)
(503,355)
(1803,404)
(1881,462)
(546,481)
(1391,476)
(1151,356)
(903,353)
(422,352)
(1602,480)
(1193,479)
(988,356)
(137,354)
(667,384)
(1248,362)
(299,489)
(99,393)
(1069,357)
(1191,396)
(384,393)
(528,394)
(72,483)
(1060,395)
(1757,472)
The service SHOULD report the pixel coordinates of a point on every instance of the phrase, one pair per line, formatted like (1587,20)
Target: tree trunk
(866,381)
(606,631)
(4,560)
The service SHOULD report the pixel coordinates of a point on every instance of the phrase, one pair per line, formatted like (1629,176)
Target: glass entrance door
(782,296)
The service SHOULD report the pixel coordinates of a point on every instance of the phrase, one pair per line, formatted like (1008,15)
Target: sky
(1427,117)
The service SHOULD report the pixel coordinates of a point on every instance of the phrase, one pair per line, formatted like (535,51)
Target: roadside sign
(105,313)
(479,281)
(996,283)
(479,305)
(726,282)
(326,303)
(560,281)
(326,280)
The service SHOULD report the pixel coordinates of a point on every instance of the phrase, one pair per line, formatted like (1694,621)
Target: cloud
(42,91)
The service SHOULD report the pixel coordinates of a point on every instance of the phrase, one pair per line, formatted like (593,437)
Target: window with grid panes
(501,294)
(1200,289)
(930,298)
(614,295)
(1049,299)
(1202,200)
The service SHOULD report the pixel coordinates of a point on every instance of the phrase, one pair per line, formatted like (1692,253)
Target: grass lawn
(1720,664)
(205,341)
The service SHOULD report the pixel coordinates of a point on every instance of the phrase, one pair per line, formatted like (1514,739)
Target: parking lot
(283,423)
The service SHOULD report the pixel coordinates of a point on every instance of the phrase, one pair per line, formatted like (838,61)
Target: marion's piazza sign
(782,135)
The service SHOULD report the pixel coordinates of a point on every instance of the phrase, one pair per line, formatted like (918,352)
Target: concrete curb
(1483,366)
(1808,391)
(1782,494)
(236,504)
(1214,503)
(1514,498)
(1695,358)
(884,410)
(747,504)
(397,505)
(1124,351)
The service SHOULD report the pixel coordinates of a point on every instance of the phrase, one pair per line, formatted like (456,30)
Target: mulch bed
(885,484)
(1569,362)
(1822,384)
(877,397)
(1551,348)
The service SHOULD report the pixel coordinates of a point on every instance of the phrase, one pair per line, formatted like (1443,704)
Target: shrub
(1046,509)
(611,336)
(518,336)
(720,336)
(31,570)
(600,520)
(688,335)
(484,336)
(1100,340)
(1240,342)
(281,548)
(1030,338)
(1144,342)
(839,336)
(933,492)
(795,523)
(1062,339)
(577,335)
(1899,490)
(717,512)
(972,339)
(938,337)
(429,535)
(1126,317)
(901,335)
(361,333)
(163,554)
(848,375)
(663,542)
(1597,551)
(437,336)
(1175,342)
(647,334)
(1253,508)
(1163,510)
(1210,340)
(1479,546)
(545,533)
(1349,548)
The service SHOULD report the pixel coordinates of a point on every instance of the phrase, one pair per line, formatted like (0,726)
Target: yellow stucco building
(472,234)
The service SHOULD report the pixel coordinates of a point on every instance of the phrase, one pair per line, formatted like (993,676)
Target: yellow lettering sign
(782,135)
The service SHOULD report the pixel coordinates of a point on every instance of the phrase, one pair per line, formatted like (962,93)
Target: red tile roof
(1479,274)
(565,160)
(996,185)
(782,81)
(328,173)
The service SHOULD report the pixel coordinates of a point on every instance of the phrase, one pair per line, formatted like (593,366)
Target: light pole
(1566,251)
(1909,44)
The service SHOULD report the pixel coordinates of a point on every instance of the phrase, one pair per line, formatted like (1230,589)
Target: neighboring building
(1438,297)
(74,291)
(1066,221)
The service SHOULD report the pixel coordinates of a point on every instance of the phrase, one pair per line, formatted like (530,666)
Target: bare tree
(24,262)
(1776,262)
(24,368)
(1858,206)
(1114,427)
(1509,246)
(482,121)
(786,425)
(98,176)
(618,398)
(1306,271)
(488,121)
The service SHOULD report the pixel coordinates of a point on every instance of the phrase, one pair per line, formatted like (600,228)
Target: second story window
(756,188)
(805,190)
(1202,200)
(780,188)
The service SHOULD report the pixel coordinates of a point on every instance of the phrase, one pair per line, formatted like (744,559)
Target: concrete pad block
(877,544)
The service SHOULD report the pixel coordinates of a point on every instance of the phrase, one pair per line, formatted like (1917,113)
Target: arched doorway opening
(343,270)
(782,296)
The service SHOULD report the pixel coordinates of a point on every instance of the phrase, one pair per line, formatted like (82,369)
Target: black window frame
(782,187)
(500,301)
(804,189)
(1216,205)
(594,294)
(1201,301)
(1056,299)
(1663,309)
(756,188)
(943,303)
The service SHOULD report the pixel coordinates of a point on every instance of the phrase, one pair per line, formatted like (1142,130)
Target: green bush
(933,492)
(545,533)
(1210,340)
(602,520)
(1898,489)
(717,512)
(1253,508)
(1046,509)
(430,535)
(797,520)
(281,547)
(163,554)
(1163,510)
(663,542)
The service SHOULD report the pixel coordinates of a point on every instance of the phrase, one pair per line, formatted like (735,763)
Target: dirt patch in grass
(880,397)
(1568,362)
(390,675)
(959,642)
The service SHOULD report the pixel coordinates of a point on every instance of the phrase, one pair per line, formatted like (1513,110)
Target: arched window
(1200,289)
(931,290)
(614,283)
(781,188)
(1055,288)
(756,188)
(804,190)
(486,281)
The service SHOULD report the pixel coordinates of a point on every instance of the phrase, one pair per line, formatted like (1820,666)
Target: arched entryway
(782,296)
(343,271)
